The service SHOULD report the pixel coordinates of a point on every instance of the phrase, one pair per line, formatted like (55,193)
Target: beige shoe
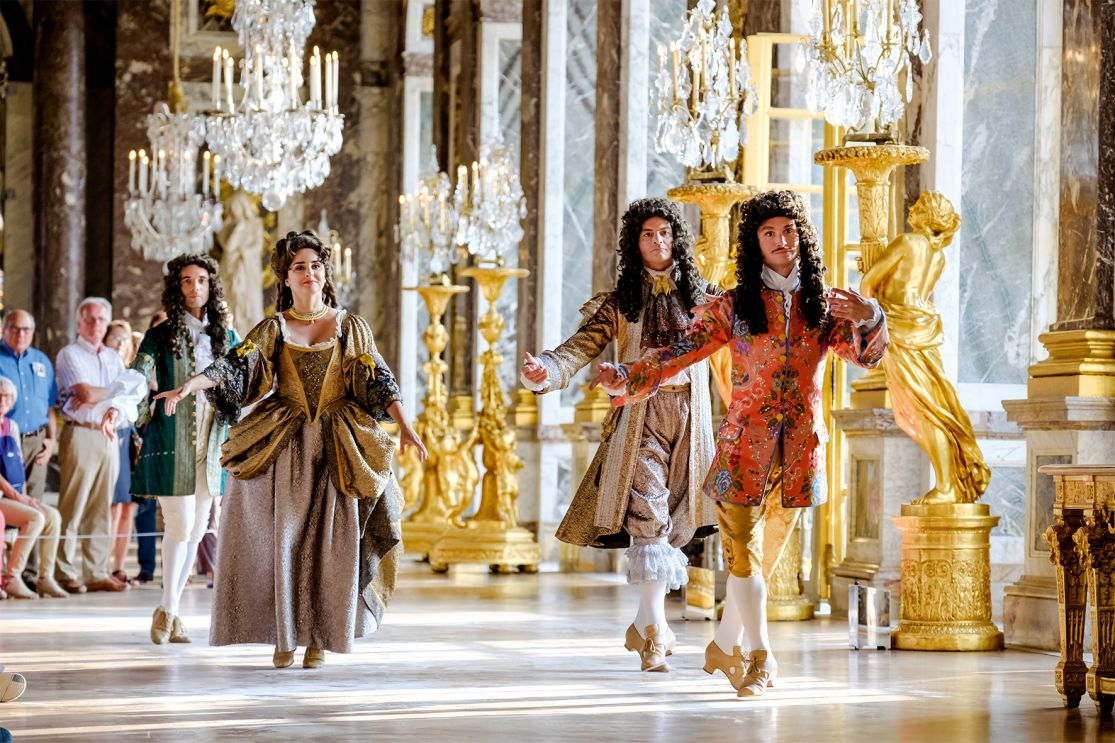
(161,626)
(17,589)
(12,686)
(49,588)
(178,631)
(634,642)
(760,675)
(283,658)
(653,654)
(314,658)
(732,666)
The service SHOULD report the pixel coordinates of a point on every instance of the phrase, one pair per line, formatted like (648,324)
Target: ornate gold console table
(1082,542)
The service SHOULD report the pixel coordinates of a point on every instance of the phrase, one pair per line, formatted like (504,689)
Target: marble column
(1069,412)
(606,207)
(142,77)
(60,171)
(531,162)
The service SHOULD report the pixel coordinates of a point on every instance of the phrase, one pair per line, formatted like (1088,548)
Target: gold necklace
(309,316)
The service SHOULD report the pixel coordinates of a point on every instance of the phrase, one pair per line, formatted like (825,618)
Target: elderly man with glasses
(33,376)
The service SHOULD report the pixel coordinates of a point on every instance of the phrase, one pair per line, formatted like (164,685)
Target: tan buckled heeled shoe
(161,625)
(733,666)
(760,675)
(634,642)
(314,658)
(653,654)
(178,631)
(283,658)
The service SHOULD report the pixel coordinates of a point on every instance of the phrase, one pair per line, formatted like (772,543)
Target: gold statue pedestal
(504,549)
(785,599)
(946,578)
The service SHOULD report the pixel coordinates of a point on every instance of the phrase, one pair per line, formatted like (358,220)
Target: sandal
(122,577)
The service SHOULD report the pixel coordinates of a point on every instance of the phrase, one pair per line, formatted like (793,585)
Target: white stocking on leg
(729,633)
(174,567)
(752,597)
(184,575)
(652,607)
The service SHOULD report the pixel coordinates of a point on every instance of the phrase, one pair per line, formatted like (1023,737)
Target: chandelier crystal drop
(858,56)
(170,211)
(270,141)
(703,92)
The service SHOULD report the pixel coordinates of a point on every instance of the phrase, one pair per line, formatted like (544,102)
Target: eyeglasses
(20,329)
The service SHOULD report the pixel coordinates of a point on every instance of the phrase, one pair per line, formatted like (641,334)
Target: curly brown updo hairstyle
(747,297)
(629,286)
(174,304)
(284,256)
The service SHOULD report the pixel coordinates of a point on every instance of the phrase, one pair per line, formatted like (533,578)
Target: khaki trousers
(35,486)
(754,537)
(90,464)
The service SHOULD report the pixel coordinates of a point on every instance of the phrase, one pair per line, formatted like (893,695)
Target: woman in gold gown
(311,520)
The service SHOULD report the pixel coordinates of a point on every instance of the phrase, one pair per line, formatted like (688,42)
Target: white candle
(228,81)
(217,176)
(132,171)
(142,173)
(328,82)
(348,264)
(336,80)
(161,170)
(205,174)
(257,69)
(316,78)
(215,90)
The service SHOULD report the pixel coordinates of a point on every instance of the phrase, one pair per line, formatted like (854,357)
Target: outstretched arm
(554,370)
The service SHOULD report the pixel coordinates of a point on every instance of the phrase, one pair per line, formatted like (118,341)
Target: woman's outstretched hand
(173,397)
(848,305)
(408,438)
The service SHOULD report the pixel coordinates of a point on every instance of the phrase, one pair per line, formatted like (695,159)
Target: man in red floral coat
(780,322)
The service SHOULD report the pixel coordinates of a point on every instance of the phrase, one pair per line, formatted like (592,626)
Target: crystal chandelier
(168,211)
(271,143)
(858,55)
(704,92)
(481,215)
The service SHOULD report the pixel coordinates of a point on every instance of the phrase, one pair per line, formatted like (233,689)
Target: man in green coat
(179,462)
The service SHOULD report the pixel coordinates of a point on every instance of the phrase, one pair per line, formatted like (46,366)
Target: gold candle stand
(445,477)
(872,167)
(492,535)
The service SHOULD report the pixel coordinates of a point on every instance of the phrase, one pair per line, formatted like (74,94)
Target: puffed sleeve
(245,373)
(366,373)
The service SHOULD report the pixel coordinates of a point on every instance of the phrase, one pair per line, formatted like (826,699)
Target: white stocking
(652,606)
(752,598)
(174,567)
(729,633)
(187,569)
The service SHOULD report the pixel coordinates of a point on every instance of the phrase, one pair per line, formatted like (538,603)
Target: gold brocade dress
(310,535)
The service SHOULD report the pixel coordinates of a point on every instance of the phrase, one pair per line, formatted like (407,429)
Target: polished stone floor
(470,656)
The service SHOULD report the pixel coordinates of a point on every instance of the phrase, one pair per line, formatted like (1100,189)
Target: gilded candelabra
(449,475)
(492,535)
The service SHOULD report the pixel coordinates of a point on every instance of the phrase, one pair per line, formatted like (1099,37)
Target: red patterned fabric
(777,379)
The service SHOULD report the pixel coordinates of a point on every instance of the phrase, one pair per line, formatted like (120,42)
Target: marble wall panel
(19,213)
(531,146)
(509,107)
(1080,76)
(142,76)
(607,147)
(581,278)
(995,244)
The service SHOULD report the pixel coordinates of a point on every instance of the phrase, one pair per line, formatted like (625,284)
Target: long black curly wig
(174,303)
(284,256)
(747,297)
(629,286)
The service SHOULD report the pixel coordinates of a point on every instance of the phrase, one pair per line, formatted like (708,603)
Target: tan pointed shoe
(760,675)
(178,631)
(283,658)
(161,624)
(12,686)
(634,642)
(314,658)
(653,654)
(733,666)
(48,587)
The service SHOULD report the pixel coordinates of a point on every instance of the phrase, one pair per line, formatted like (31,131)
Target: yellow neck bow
(661,284)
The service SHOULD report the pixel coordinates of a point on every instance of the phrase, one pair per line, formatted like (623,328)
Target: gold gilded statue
(925,403)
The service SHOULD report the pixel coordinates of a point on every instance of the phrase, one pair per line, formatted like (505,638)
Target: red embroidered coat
(776,394)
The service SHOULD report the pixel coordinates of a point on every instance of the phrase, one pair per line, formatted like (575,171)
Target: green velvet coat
(166,464)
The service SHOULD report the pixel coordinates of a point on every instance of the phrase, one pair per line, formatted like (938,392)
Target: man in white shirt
(97,394)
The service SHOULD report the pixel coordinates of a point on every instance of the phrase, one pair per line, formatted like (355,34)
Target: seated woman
(780,323)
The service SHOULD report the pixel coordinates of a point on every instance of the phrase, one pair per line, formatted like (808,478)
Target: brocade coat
(777,379)
(159,471)
(596,514)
